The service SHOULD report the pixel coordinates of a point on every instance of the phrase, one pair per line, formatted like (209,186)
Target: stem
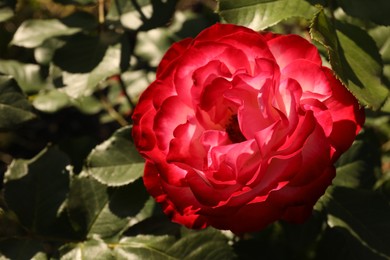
(101,12)
(123,88)
(118,7)
(111,111)
(139,10)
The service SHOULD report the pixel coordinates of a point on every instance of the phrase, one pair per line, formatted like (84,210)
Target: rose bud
(241,129)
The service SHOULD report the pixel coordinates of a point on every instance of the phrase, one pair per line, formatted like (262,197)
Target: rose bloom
(241,129)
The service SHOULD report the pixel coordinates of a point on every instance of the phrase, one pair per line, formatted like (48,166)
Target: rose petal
(311,77)
(175,51)
(289,48)
(173,112)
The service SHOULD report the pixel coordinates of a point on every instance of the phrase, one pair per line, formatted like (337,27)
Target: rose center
(233,130)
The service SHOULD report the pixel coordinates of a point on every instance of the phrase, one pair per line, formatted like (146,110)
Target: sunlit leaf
(260,14)
(35,189)
(33,33)
(51,101)
(206,244)
(348,46)
(144,247)
(94,248)
(6,13)
(27,75)
(116,161)
(14,107)
(83,84)
(120,8)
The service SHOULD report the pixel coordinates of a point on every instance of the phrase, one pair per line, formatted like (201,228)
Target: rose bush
(241,129)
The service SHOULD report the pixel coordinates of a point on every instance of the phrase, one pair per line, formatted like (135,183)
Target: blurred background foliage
(71,72)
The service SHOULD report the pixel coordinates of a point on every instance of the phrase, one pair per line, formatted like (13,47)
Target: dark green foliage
(71,72)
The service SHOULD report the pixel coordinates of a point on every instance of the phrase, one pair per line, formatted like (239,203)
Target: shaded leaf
(337,243)
(116,161)
(381,35)
(27,75)
(260,14)
(376,11)
(363,213)
(33,33)
(20,249)
(360,166)
(347,47)
(28,194)
(81,53)
(96,209)
(159,18)
(14,107)
(80,19)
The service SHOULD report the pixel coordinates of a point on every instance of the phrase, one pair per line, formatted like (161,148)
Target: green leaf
(337,243)
(79,85)
(260,14)
(363,213)
(116,161)
(97,209)
(120,8)
(80,19)
(20,249)
(376,11)
(27,75)
(81,53)
(144,247)
(14,107)
(33,33)
(356,168)
(77,2)
(159,18)
(381,35)
(6,13)
(51,101)
(94,248)
(348,46)
(87,104)
(205,244)
(35,189)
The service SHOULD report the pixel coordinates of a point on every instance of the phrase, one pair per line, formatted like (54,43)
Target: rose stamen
(234,131)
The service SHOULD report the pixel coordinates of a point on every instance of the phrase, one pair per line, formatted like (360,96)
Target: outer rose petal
(288,48)
(173,53)
(242,129)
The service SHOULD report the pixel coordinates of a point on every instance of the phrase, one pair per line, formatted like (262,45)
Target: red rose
(241,129)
